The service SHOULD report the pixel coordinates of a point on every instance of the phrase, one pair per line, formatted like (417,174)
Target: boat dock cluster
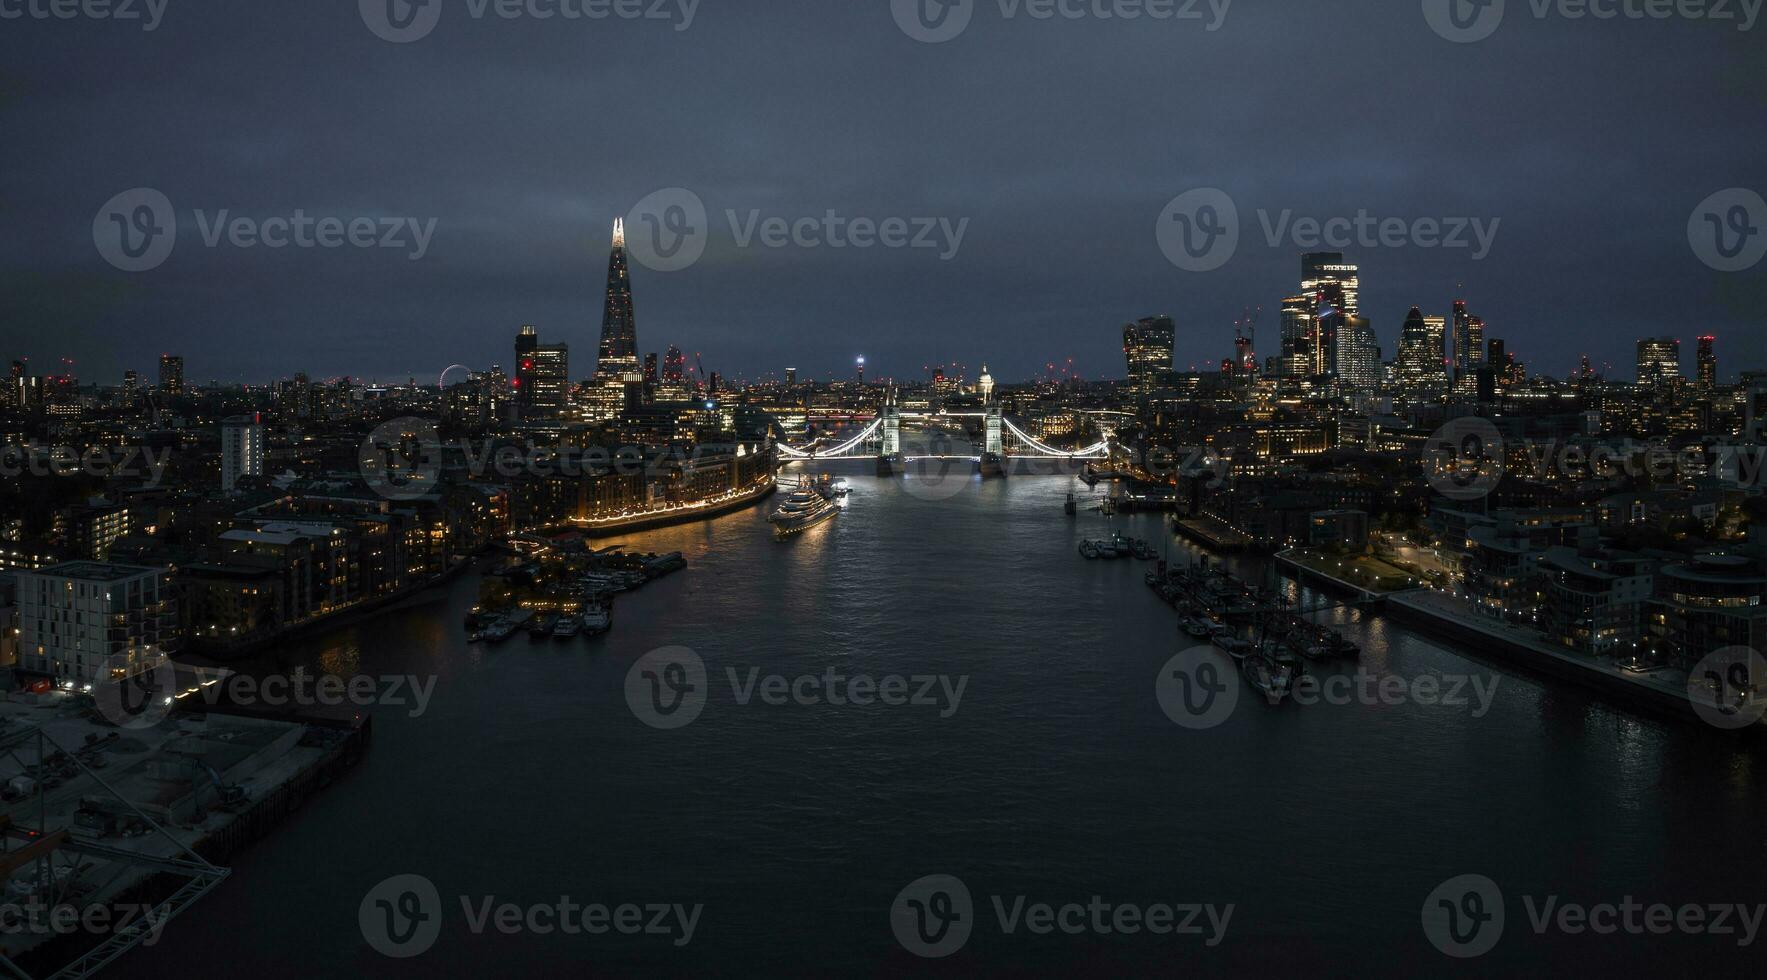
(1117,546)
(562,597)
(1253,625)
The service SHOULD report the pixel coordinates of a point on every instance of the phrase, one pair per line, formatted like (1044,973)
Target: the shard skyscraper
(619,327)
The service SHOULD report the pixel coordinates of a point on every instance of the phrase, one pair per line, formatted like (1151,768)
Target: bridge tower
(994,446)
(889,431)
(892,426)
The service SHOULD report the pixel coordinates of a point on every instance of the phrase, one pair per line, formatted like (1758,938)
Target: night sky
(1060,141)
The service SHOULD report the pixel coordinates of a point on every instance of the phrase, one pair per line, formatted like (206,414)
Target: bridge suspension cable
(1097,451)
(841,449)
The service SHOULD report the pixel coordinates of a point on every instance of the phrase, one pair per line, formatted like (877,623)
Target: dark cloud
(1060,142)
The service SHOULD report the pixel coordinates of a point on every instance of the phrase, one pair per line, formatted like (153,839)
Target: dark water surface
(1058,778)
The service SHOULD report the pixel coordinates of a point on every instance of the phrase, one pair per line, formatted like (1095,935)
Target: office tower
(1357,353)
(791,376)
(131,386)
(1297,336)
(1147,346)
(1319,268)
(1244,357)
(619,324)
(861,369)
(1419,348)
(242,450)
(1459,338)
(86,621)
(650,371)
(1707,363)
(674,366)
(1659,360)
(171,375)
(542,377)
(1475,344)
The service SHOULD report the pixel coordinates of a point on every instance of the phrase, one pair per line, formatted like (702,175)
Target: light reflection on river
(1058,778)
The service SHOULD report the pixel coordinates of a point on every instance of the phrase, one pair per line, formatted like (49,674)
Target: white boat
(802,509)
(597,619)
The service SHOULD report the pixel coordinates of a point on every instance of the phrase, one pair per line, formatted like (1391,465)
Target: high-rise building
(242,450)
(650,369)
(791,376)
(675,366)
(1148,344)
(1460,349)
(131,386)
(91,622)
(619,324)
(542,377)
(1298,359)
(1357,353)
(1706,363)
(171,375)
(1659,360)
(1319,268)
(1420,349)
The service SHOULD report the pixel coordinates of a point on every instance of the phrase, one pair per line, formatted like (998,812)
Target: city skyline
(1048,271)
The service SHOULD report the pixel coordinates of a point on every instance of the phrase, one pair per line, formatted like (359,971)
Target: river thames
(1054,776)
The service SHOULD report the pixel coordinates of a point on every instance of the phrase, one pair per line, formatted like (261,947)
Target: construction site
(111,824)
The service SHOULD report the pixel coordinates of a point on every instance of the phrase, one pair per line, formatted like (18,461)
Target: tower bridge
(881,438)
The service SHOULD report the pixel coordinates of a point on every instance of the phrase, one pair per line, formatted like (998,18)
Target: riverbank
(1663,689)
